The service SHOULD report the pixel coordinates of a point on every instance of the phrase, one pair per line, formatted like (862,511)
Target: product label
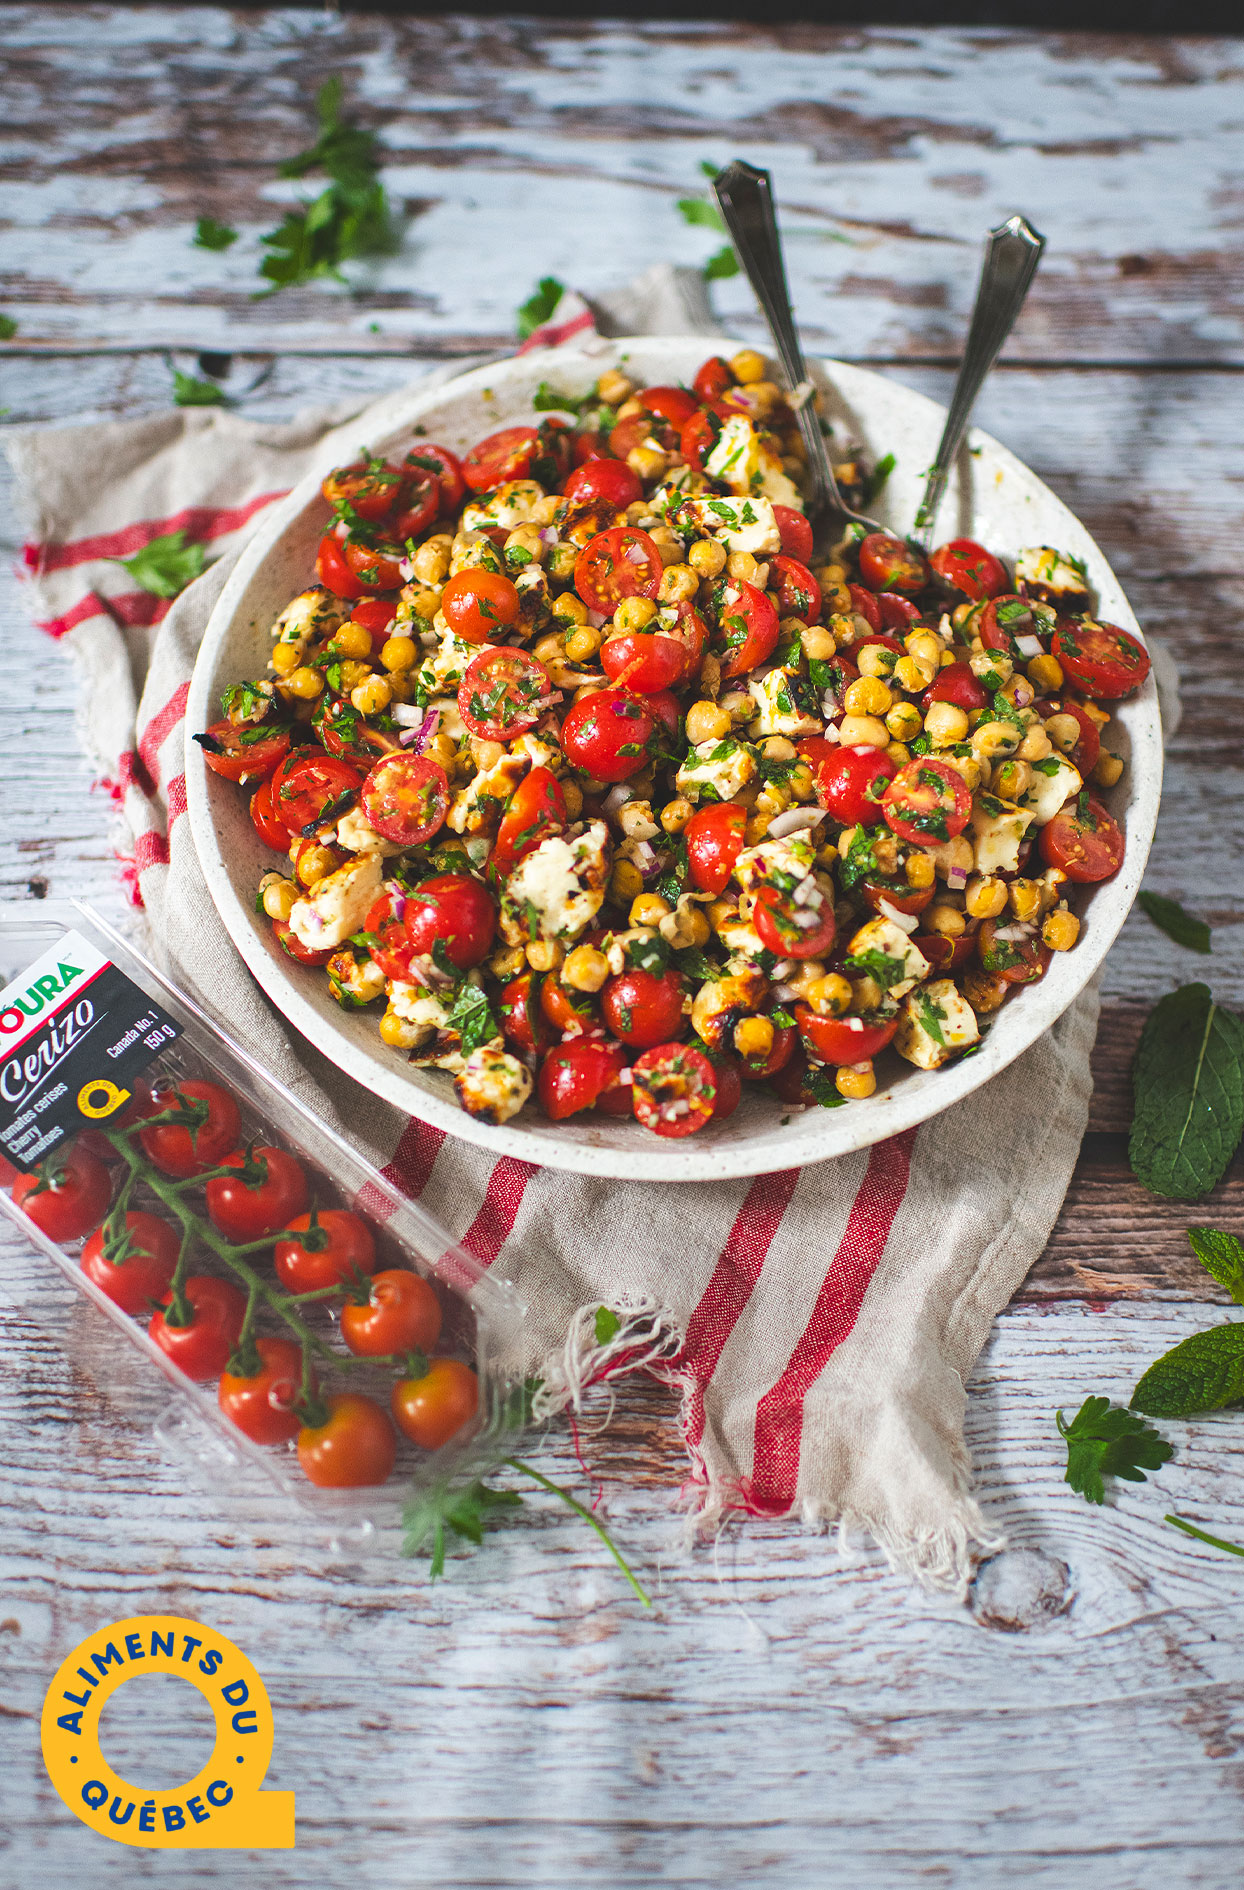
(74,1033)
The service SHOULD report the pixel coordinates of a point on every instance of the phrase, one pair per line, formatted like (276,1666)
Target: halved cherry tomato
(332,570)
(607,734)
(392,950)
(1088,746)
(500,457)
(644,661)
(896,613)
(308,783)
(1104,662)
(353,1448)
(273,832)
(247,1210)
(537,808)
(292,945)
(203,1348)
(1007,617)
(376,615)
(888,564)
(945,954)
(371,490)
(1084,841)
(799,594)
(927,802)
(261,1403)
(326,1248)
(673,1089)
(419,507)
(576,1073)
(406,798)
(503,693)
(616,564)
(642,1008)
(375,567)
(232,753)
(756,1069)
(748,624)
(714,839)
(609,479)
(729,1074)
(664,707)
(712,378)
(400,1314)
(698,436)
(968,568)
(569,1012)
(436,1405)
(147,1255)
(480,605)
(792,930)
(796,532)
(840,1040)
(850,782)
(881,892)
(67,1195)
(865,605)
(1019,960)
(957,683)
(455,908)
(340,728)
(208,1133)
(522,1014)
(443,466)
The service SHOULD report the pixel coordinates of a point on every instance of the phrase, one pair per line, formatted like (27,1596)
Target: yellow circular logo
(222,1807)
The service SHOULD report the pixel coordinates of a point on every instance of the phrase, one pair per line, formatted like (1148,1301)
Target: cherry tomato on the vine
(247,1210)
(435,1406)
(67,1195)
(261,1403)
(324,1249)
(208,1132)
(400,1314)
(352,1448)
(147,1254)
(203,1348)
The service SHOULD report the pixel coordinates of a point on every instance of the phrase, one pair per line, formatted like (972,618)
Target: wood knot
(1019,1590)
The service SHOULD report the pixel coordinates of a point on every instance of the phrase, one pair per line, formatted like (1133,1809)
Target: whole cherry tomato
(392,949)
(203,1348)
(576,1073)
(674,404)
(502,694)
(406,798)
(607,734)
(792,930)
(351,1448)
(749,624)
(673,1089)
(927,802)
(896,613)
(376,614)
(796,532)
(537,808)
(616,564)
(712,378)
(308,783)
(67,1195)
(400,1314)
(697,437)
(609,479)
(714,840)
(434,1407)
(501,457)
(261,1402)
(480,605)
(327,1251)
(850,782)
(209,1129)
(242,754)
(455,908)
(247,1210)
(888,564)
(799,594)
(522,1013)
(968,568)
(842,1040)
(643,661)
(865,605)
(1084,841)
(273,832)
(643,1009)
(374,567)
(957,683)
(1102,661)
(147,1255)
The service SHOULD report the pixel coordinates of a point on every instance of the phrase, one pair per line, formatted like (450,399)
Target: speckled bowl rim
(993,497)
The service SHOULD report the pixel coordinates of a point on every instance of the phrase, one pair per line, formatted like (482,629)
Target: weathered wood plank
(889,156)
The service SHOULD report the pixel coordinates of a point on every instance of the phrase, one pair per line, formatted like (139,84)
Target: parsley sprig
(350,217)
(1105,1440)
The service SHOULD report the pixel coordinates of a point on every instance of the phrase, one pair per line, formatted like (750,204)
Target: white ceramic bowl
(994,499)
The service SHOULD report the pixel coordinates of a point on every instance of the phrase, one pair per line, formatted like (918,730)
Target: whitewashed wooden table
(786,1714)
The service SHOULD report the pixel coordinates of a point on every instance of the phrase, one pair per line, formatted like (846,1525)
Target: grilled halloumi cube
(557,890)
(357,835)
(724,1002)
(337,904)
(998,827)
(748,464)
(445,666)
(786,704)
(311,617)
(477,808)
(1052,577)
(492,1084)
(936,1020)
(354,981)
(517,502)
(781,863)
(900,963)
(741,524)
(1054,781)
(723,768)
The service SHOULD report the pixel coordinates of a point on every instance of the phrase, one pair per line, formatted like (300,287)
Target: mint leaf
(1169,917)
(539,306)
(208,234)
(166,565)
(188,392)
(608,1325)
(700,210)
(1222,1256)
(472,1018)
(1103,1440)
(1205,1373)
(1188,1087)
(723,262)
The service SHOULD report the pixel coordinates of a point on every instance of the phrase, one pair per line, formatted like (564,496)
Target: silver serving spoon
(746,198)
(1012,253)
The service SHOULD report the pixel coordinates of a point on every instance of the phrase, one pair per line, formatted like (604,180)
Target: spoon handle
(745,195)
(1011,257)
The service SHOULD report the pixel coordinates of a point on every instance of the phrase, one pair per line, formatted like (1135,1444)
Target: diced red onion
(1028,645)
(1013,933)
(830,705)
(956,878)
(646,858)
(408,714)
(431,722)
(397,897)
(617,797)
(596,618)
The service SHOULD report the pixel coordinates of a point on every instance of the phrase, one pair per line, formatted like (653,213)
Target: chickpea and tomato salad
(597,784)
(207,1197)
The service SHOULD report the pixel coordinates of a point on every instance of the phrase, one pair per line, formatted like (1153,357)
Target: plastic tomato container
(86,1020)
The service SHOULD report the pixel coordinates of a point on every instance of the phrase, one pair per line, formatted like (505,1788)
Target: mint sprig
(1188,1086)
